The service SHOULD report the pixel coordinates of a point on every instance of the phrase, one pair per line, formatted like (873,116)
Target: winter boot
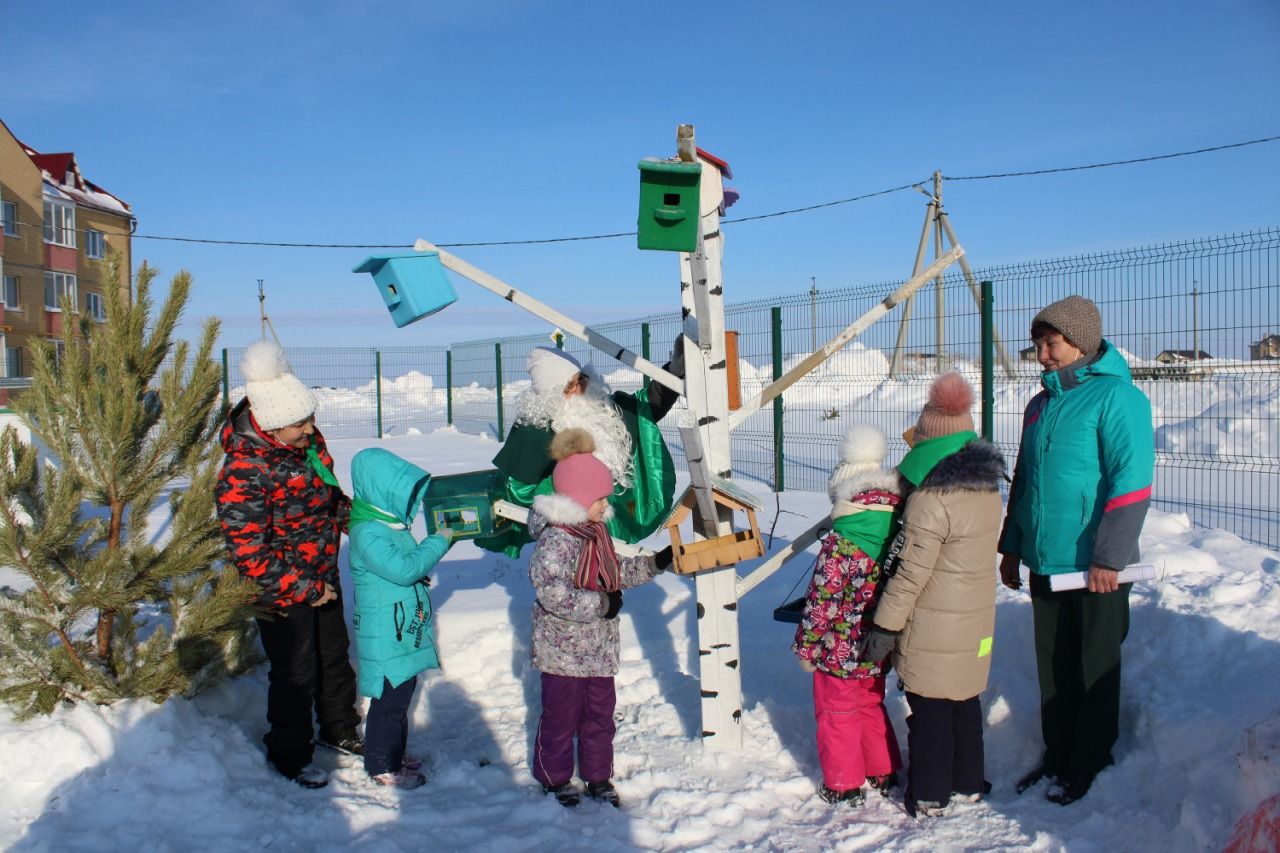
(974,796)
(854,797)
(566,794)
(347,744)
(1029,781)
(604,792)
(1066,793)
(404,779)
(884,784)
(311,777)
(922,808)
(411,762)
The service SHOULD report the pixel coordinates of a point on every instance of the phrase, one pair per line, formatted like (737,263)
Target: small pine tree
(116,532)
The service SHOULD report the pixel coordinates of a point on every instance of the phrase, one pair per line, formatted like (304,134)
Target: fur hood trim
(976,467)
(558,509)
(879,479)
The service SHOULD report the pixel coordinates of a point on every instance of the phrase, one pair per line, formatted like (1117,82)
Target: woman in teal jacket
(392,616)
(1080,493)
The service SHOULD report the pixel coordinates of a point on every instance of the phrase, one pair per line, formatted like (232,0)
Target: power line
(775,214)
(1111,163)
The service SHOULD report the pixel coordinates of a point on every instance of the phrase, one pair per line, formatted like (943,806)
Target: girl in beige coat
(937,613)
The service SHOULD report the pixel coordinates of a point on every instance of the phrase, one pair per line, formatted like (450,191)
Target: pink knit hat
(947,411)
(578,475)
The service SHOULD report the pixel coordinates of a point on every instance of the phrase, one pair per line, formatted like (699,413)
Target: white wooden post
(702,298)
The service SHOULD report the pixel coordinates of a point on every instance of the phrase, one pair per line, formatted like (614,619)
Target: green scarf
(922,458)
(362,511)
(322,470)
(869,530)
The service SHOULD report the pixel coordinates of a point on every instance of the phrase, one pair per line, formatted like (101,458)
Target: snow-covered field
(1200,741)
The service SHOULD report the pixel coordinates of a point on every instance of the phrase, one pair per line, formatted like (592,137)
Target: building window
(56,286)
(95,244)
(60,224)
(9,293)
(9,216)
(12,362)
(93,303)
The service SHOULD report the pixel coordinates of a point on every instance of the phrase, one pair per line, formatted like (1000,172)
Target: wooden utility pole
(938,226)
(263,320)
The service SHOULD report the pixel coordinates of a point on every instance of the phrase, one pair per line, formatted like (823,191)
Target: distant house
(919,362)
(56,229)
(1181,356)
(1267,348)
(1027,354)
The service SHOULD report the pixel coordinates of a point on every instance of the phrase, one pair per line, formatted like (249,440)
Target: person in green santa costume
(563,394)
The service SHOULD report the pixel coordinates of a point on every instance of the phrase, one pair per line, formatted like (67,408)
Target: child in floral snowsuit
(856,741)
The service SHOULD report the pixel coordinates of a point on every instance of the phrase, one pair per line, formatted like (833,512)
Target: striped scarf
(597,567)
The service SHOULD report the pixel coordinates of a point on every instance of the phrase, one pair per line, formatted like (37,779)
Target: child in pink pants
(856,741)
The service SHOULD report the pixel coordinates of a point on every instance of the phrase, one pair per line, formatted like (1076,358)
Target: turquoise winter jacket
(392,616)
(1082,484)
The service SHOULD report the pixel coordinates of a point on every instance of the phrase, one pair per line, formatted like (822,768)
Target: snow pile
(1200,744)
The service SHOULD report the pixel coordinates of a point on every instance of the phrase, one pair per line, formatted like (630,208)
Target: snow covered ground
(1200,741)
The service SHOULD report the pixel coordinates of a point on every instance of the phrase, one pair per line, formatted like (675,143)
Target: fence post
(448,387)
(644,341)
(497,357)
(779,461)
(226,387)
(377,383)
(988,363)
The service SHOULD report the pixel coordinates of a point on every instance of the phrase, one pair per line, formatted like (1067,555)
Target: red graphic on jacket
(281,521)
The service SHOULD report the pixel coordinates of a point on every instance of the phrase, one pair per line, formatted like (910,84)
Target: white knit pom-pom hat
(863,449)
(276,397)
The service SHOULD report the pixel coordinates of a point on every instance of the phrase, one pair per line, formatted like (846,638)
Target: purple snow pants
(574,706)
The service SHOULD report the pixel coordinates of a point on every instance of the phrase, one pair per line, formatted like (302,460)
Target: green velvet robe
(525,460)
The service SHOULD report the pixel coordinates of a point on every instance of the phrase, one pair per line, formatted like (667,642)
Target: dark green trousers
(1078,638)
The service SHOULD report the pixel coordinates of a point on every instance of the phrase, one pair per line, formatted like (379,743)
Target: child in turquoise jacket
(392,616)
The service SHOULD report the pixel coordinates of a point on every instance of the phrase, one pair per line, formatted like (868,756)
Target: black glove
(662,559)
(877,645)
(676,364)
(615,604)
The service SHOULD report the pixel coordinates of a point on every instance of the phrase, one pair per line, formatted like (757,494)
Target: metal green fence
(1198,320)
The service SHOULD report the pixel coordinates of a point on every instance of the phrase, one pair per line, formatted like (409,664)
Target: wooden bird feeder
(727,550)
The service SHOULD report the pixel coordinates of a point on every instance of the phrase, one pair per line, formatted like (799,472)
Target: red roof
(717,162)
(58,165)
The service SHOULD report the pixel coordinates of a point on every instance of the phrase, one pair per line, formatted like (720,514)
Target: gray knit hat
(1077,319)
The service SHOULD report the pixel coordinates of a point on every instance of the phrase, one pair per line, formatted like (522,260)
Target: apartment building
(56,230)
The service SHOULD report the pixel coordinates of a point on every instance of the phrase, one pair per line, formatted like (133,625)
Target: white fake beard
(596,413)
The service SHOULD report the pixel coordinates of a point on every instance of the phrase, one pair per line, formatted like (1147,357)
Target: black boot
(309,776)
(566,794)
(605,793)
(1029,781)
(347,744)
(853,797)
(884,784)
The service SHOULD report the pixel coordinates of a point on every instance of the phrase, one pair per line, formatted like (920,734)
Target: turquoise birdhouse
(413,285)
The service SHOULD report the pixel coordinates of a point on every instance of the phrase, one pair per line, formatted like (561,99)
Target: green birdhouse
(464,503)
(669,196)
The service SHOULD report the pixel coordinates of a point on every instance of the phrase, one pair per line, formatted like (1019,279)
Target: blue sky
(380,122)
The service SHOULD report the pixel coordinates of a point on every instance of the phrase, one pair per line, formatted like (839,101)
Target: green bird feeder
(669,196)
(464,503)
